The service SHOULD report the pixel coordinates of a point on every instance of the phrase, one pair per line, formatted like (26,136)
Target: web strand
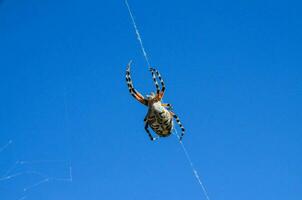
(195,172)
(139,38)
(6,145)
(16,170)
(204,191)
(22,198)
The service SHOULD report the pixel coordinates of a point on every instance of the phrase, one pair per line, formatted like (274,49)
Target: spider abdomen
(160,120)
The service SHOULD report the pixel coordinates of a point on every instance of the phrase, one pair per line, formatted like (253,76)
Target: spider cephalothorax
(159,116)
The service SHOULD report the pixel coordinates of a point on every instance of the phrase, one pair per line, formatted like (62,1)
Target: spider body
(159,116)
(159,119)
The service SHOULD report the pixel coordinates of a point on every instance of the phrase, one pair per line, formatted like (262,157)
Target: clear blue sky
(233,74)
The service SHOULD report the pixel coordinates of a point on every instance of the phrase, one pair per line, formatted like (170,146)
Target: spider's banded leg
(154,80)
(135,94)
(180,125)
(147,130)
(163,87)
(133,91)
(130,84)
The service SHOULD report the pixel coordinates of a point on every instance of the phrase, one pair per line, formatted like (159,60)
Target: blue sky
(233,74)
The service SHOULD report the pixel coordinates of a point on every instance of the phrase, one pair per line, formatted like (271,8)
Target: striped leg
(133,91)
(147,130)
(180,125)
(161,93)
(154,80)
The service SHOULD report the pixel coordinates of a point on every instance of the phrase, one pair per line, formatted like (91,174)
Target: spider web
(138,35)
(188,157)
(31,169)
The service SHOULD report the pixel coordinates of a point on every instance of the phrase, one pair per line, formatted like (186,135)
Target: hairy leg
(160,94)
(180,125)
(138,96)
(147,130)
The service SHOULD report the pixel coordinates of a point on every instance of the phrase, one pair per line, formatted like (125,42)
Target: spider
(159,116)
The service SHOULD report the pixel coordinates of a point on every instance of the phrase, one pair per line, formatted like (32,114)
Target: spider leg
(180,125)
(138,96)
(155,81)
(159,93)
(147,130)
